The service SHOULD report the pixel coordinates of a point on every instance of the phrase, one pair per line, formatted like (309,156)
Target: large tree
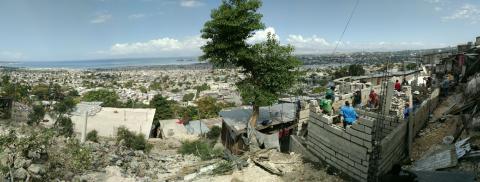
(269,68)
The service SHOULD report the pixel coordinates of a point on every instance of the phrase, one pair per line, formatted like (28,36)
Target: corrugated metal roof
(278,113)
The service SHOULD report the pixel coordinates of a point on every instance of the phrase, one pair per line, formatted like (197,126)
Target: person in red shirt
(398,86)
(373,99)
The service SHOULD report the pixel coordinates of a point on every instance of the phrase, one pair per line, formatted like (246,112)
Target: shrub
(65,126)
(199,148)
(214,133)
(72,157)
(92,136)
(132,140)
(224,167)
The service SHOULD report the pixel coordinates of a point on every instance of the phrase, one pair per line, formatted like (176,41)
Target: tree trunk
(251,128)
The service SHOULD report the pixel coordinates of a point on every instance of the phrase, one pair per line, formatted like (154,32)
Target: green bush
(72,157)
(132,140)
(224,167)
(214,133)
(199,148)
(92,136)
(65,126)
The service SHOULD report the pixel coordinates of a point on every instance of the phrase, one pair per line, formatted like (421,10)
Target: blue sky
(96,29)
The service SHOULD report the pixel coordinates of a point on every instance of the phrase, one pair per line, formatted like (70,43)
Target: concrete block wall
(392,148)
(389,122)
(346,149)
(421,115)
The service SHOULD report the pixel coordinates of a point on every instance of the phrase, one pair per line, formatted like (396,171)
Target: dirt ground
(436,129)
(292,165)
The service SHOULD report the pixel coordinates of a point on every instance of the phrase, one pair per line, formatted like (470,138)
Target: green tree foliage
(132,140)
(411,66)
(188,97)
(318,90)
(143,89)
(350,70)
(92,136)
(16,91)
(214,133)
(37,114)
(227,31)
(355,70)
(208,107)
(73,93)
(5,80)
(42,91)
(188,113)
(201,88)
(164,108)
(269,68)
(109,98)
(65,126)
(64,106)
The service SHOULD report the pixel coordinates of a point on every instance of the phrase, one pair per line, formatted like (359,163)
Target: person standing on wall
(398,86)
(326,105)
(349,115)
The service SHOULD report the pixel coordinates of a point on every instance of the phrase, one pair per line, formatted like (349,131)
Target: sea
(101,63)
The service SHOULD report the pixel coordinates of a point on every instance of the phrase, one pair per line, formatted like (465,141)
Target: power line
(346,26)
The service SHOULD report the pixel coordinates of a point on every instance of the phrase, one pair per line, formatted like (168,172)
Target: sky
(50,30)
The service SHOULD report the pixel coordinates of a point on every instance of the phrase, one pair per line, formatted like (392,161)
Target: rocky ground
(57,158)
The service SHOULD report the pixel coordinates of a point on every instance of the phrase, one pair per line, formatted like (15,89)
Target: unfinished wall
(393,148)
(346,149)
(388,125)
(421,115)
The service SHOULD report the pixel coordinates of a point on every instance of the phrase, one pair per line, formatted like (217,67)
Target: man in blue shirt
(406,111)
(348,113)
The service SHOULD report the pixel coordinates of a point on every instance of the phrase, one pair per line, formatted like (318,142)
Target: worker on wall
(326,105)
(348,113)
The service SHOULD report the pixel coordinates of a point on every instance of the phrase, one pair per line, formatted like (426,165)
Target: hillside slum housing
(274,125)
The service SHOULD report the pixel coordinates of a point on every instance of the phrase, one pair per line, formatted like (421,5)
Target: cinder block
(346,136)
(367,137)
(335,130)
(362,168)
(358,127)
(354,132)
(366,121)
(326,119)
(356,140)
(368,130)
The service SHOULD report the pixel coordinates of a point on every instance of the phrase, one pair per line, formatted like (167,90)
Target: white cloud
(190,3)
(101,17)
(11,56)
(165,46)
(317,45)
(136,16)
(437,8)
(467,12)
(261,35)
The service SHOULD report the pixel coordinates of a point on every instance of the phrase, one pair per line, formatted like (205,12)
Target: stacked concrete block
(346,149)
(392,148)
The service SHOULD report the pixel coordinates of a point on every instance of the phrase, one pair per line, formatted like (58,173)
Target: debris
(441,159)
